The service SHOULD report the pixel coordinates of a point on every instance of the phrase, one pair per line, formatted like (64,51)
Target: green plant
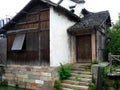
(2,70)
(79,73)
(87,68)
(75,88)
(57,85)
(4,82)
(78,78)
(104,76)
(64,72)
(105,72)
(92,86)
(94,62)
(113,45)
(0,83)
(117,85)
(16,85)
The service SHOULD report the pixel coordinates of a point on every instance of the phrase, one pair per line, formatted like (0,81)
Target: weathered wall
(72,49)
(59,38)
(93,42)
(31,77)
(3,51)
(100,46)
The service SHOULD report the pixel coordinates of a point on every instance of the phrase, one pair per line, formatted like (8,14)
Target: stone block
(46,74)
(33,76)
(14,71)
(39,82)
(36,73)
(43,69)
(28,69)
(23,70)
(22,84)
(9,75)
(33,86)
(22,76)
(30,80)
(46,78)
(48,85)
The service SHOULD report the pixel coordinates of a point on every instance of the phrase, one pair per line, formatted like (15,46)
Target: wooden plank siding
(35,50)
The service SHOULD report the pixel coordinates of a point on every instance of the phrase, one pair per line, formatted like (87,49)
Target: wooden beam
(37,12)
(21,30)
(28,22)
(25,30)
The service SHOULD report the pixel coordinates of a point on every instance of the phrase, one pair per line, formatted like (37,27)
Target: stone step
(67,89)
(118,73)
(80,79)
(82,68)
(75,82)
(82,75)
(117,70)
(78,69)
(82,72)
(78,87)
(81,65)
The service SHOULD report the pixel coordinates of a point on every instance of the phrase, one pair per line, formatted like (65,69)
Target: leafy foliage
(92,86)
(57,85)
(114,36)
(117,85)
(4,82)
(64,72)
(88,68)
(94,62)
(16,85)
(2,70)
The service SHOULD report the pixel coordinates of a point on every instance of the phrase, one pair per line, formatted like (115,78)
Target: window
(18,42)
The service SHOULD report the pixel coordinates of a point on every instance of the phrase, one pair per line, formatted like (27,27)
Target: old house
(44,34)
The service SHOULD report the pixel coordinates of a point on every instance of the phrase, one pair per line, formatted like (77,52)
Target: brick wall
(31,77)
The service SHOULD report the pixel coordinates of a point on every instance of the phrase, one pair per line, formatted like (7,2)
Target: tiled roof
(78,1)
(91,21)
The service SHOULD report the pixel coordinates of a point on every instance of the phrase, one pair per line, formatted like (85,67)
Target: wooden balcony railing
(112,59)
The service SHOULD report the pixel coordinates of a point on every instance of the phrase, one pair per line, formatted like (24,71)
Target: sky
(9,8)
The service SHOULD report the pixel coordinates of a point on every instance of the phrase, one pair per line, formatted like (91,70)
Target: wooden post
(110,61)
(99,79)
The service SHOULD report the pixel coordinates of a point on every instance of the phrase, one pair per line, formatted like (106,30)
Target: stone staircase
(80,79)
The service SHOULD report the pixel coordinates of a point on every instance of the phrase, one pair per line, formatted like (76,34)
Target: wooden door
(83,48)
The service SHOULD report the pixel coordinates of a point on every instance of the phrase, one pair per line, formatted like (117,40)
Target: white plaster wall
(78,9)
(67,3)
(59,38)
